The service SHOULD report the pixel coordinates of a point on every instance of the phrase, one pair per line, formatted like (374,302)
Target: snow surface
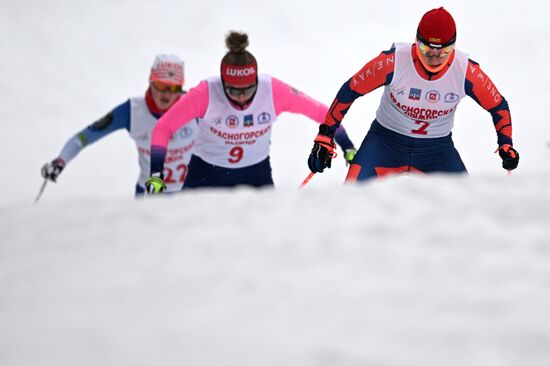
(408,271)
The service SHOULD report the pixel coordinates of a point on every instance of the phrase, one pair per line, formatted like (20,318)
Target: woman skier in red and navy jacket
(424,83)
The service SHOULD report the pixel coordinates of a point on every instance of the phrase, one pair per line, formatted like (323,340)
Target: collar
(151,105)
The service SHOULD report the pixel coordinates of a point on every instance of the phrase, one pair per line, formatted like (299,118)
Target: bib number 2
(423,129)
(236,154)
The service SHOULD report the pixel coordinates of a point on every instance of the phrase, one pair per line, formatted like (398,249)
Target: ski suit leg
(202,174)
(437,155)
(385,152)
(140,191)
(380,154)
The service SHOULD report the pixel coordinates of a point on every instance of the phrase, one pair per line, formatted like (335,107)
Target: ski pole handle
(311,174)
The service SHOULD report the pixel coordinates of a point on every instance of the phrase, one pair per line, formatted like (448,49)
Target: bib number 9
(236,155)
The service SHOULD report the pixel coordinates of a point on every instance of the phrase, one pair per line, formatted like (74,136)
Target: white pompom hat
(167,69)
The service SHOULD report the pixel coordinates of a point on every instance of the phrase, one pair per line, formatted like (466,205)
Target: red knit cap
(437,28)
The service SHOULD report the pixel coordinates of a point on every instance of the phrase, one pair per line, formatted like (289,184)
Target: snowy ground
(409,271)
(394,273)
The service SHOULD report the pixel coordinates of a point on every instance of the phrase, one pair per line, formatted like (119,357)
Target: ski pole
(41,191)
(307,179)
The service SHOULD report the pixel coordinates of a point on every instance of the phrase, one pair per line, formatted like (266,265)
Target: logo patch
(415,94)
(264,118)
(232,121)
(451,98)
(433,96)
(102,123)
(235,71)
(248,120)
(185,132)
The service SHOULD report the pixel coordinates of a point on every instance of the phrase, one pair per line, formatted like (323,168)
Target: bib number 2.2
(171,176)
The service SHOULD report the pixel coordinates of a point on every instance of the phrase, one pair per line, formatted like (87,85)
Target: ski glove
(323,150)
(509,156)
(155,184)
(349,154)
(51,171)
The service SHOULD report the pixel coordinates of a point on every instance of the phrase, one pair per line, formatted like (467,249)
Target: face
(240,94)
(165,95)
(434,57)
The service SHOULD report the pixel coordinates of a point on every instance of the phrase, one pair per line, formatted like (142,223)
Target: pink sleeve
(190,106)
(288,99)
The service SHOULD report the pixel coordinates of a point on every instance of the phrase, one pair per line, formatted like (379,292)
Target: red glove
(323,151)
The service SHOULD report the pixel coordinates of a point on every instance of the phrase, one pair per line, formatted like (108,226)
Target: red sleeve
(480,88)
(376,73)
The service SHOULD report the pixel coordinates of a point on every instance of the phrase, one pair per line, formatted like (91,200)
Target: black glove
(323,150)
(509,156)
(52,170)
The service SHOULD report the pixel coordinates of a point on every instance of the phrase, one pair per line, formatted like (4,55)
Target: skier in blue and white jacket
(139,115)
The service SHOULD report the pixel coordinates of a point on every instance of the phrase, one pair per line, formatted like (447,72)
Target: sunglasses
(161,87)
(237,92)
(431,52)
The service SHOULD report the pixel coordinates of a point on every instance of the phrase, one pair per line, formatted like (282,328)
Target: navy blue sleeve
(342,139)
